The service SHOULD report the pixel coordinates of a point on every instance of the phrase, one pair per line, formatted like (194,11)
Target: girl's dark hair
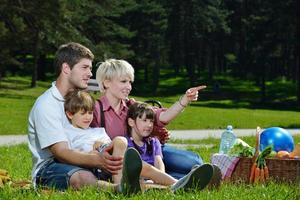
(137,110)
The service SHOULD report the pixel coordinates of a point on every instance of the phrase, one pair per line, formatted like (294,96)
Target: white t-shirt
(84,139)
(47,120)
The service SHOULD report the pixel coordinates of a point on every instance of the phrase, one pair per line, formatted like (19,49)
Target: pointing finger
(200,87)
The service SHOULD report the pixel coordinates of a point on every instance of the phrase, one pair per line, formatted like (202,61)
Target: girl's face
(119,87)
(142,127)
(81,119)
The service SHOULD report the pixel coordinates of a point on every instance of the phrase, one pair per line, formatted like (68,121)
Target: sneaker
(215,181)
(198,178)
(132,166)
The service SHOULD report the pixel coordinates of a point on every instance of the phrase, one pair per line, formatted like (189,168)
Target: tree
(148,22)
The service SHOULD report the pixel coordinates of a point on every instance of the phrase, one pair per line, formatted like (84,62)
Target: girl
(140,125)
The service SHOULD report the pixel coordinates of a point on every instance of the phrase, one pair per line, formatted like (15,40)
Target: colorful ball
(281,139)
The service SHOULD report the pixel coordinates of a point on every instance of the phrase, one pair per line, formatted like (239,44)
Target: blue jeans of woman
(179,162)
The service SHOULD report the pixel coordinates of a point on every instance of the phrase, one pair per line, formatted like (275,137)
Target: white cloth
(46,127)
(84,139)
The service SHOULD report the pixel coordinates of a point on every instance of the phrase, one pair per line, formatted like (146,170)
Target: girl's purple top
(156,146)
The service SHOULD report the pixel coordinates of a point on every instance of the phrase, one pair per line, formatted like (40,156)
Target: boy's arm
(158,163)
(104,160)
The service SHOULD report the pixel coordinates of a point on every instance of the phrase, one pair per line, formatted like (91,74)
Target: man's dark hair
(71,53)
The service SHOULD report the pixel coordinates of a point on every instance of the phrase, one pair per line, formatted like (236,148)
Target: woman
(115,78)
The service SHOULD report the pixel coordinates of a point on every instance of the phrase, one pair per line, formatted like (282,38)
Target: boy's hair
(71,53)
(137,110)
(78,100)
(111,68)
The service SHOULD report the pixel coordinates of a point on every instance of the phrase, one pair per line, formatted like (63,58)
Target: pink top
(115,124)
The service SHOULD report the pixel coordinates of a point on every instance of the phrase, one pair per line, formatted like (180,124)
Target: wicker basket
(283,170)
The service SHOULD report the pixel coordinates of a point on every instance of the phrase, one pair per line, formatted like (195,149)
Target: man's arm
(104,160)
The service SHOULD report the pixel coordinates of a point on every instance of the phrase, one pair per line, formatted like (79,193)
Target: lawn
(17,98)
(17,160)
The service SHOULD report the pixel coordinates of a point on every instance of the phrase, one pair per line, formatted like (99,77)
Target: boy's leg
(61,176)
(119,149)
(159,177)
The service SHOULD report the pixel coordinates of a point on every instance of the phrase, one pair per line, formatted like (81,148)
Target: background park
(246,52)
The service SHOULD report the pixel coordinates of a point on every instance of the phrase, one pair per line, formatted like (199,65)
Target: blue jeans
(179,162)
(56,175)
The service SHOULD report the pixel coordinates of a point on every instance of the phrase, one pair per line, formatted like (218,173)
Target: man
(54,163)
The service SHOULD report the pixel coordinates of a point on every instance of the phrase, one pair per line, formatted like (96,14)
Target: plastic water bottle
(227,140)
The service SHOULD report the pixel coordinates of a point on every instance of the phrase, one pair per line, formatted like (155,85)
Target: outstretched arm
(189,96)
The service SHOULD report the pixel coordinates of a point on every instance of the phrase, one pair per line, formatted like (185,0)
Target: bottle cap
(229,128)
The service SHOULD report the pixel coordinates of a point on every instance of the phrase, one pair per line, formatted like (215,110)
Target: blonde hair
(111,68)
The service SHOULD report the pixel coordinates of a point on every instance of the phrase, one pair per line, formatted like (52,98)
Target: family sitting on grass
(77,142)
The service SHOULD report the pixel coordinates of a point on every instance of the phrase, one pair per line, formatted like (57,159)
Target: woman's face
(119,87)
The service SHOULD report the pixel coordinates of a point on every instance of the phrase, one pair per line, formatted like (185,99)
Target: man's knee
(82,178)
(120,142)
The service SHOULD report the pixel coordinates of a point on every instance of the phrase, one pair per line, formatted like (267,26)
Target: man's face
(81,73)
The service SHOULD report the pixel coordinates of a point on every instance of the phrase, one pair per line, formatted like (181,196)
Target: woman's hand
(190,95)
(161,133)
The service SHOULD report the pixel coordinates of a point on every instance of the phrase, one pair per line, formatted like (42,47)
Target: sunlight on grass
(17,98)
(17,160)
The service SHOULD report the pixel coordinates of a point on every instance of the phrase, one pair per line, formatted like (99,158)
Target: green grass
(17,160)
(237,104)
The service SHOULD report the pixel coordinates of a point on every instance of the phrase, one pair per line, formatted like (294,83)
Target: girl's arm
(190,95)
(158,163)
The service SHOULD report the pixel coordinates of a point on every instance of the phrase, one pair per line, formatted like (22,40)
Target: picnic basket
(280,169)
(283,170)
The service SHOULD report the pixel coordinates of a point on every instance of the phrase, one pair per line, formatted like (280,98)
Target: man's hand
(93,159)
(109,162)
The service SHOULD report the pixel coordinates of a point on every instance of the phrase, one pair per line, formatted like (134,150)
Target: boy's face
(81,73)
(119,87)
(81,119)
(142,126)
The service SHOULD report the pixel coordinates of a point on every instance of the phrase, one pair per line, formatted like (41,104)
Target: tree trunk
(297,7)
(41,69)
(156,70)
(36,55)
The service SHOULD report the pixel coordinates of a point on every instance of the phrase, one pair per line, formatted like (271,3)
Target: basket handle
(257,137)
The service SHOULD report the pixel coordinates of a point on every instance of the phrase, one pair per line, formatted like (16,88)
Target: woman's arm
(190,95)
